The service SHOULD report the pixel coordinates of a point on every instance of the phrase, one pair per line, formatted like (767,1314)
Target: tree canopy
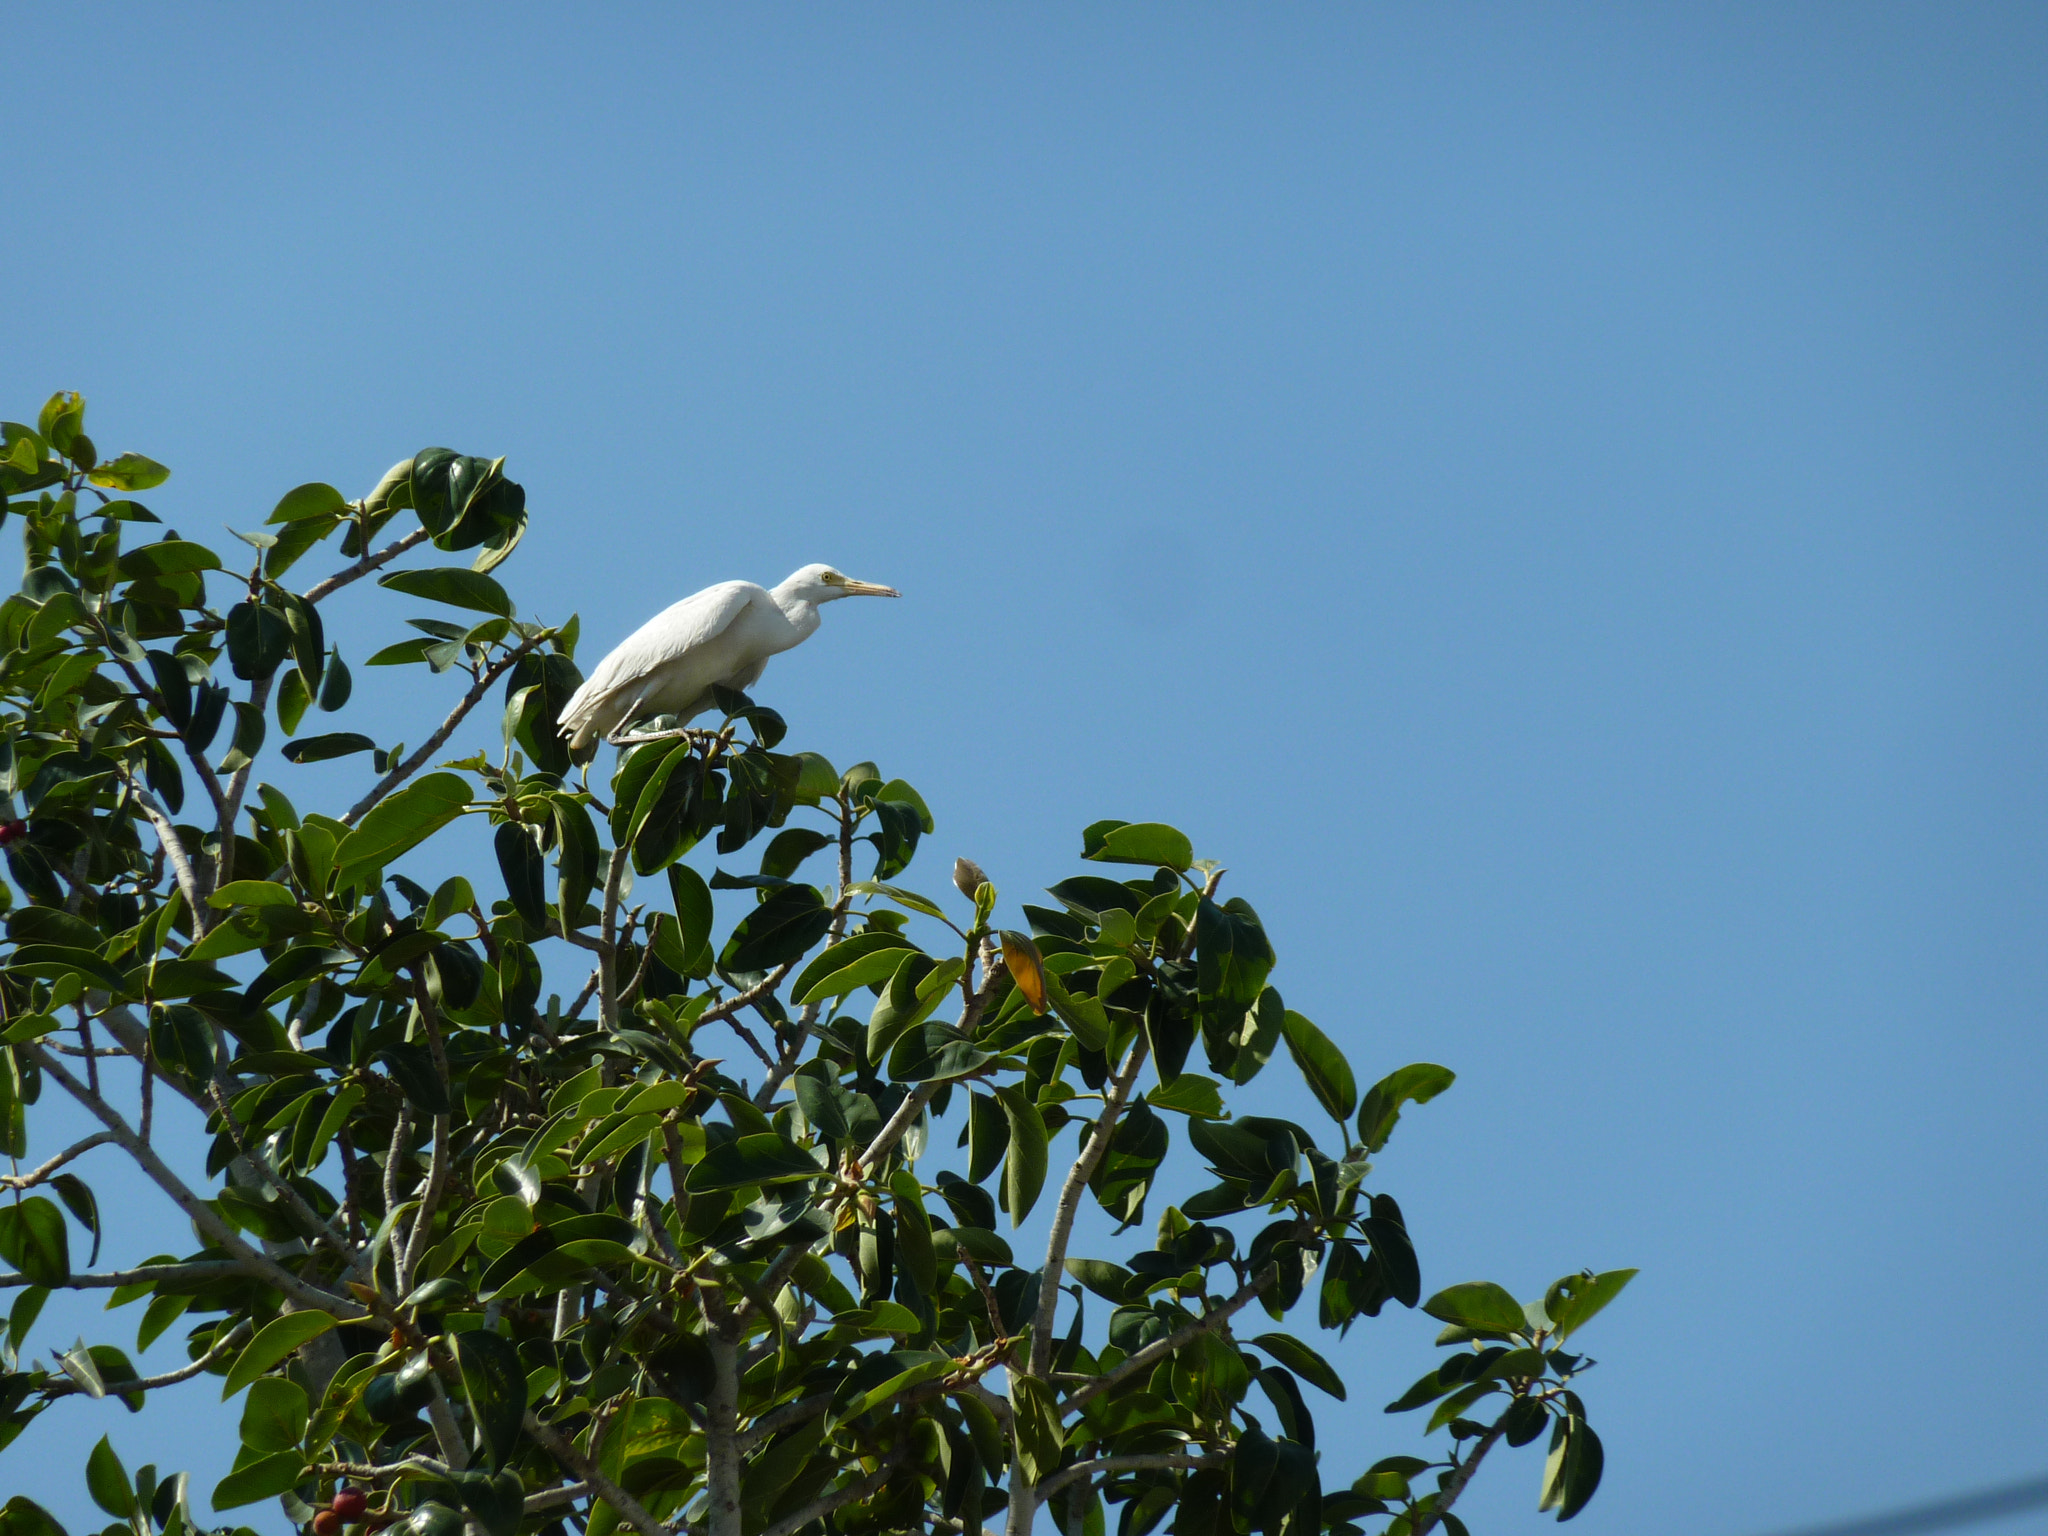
(769,1228)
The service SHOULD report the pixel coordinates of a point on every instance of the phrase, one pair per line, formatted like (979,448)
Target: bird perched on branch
(722,636)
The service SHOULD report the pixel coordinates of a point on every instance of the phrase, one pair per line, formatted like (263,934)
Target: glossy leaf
(272,1343)
(453,585)
(1479,1305)
(320,749)
(1418,1083)
(1322,1065)
(1146,842)
(494,1384)
(401,822)
(1025,1166)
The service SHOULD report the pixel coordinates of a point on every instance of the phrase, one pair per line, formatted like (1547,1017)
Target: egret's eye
(832,579)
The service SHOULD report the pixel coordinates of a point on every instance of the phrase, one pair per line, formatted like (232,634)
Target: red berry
(12,832)
(327,1523)
(349,1503)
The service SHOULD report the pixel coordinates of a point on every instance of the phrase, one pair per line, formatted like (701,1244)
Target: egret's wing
(661,641)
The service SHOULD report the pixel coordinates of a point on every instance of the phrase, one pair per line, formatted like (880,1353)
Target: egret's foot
(679,733)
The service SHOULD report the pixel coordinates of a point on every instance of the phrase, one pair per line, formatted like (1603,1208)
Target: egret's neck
(801,612)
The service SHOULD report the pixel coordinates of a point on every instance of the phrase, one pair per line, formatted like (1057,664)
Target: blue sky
(1551,497)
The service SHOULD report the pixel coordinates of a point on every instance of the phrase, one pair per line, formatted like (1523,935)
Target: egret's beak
(867,589)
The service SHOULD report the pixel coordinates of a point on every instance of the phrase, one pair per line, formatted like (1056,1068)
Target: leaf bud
(968,877)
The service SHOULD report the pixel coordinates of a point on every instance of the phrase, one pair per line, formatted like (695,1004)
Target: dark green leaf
(1143,842)
(453,585)
(107,1481)
(335,684)
(311,500)
(401,822)
(759,1159)
(494,1382)
(779,930)
(1572,1301)
(79,1201)
(524,869)
(1479,1305)
(274,1414)
(262,1479)
(1024,1169)
(259,639)
(319,749)
(860,961)
(1418,1083)
(1303,1361)
(33,1239)
(1323,1066)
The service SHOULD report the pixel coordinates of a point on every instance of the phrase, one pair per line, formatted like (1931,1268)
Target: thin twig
(1069,1202)
(1150,1461)
(202,1215)
(433,743)
(818,1508)
(1463,1475)
(1157,1351)
(234,1337)
(630,1509)
(367,564)
(42,1171)
(147,1274)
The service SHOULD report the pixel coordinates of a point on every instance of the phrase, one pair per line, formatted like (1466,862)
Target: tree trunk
(721,1435)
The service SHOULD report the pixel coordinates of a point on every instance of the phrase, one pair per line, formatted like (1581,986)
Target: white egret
(723,635)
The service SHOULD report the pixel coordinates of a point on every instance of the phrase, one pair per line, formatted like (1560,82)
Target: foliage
(471,1257)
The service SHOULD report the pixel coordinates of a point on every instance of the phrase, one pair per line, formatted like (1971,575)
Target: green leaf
(335,683)
(259,639)
(169,557)
(1024,1168)
(33,1239)
(263,1479)
(274,1414)
(915,991)
(1479,1305)
(293,699)
(401,822)
(318,749)
(79,1200)
(453,585)
(272,1343)
(1417,1083)
(779,930)
(1572,1301)
(1322,1065)
(107,1481)
(1232,955)
(1040,1435)
(692,899)
(860,961)
(1303,1361)
(404,652)
(1142,842)
(902,898)
(310,500)
(22,1516)
(495,1383)
(1109,1281)
(760,1159)
(1191,1094)
(129,472)
(525,871)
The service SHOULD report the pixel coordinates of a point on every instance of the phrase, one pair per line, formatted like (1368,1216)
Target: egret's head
(822,584)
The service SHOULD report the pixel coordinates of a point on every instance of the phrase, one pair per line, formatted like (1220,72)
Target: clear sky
(1553,497)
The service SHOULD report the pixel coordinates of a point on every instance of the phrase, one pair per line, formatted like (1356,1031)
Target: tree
(683,1253)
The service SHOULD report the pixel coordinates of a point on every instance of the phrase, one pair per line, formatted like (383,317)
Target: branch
(433,743)
(608,943)
(798,1412)
(818,1508)
(1070,1198)
(1463,1475)
(238,785)
(145,1275)
(1157,1351)
(367,564)
(1147,1462)
(554,1498)
(241,1331)
(743,1000)
(36,1176)
(557,1445)
(167,838)
(202,1215)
